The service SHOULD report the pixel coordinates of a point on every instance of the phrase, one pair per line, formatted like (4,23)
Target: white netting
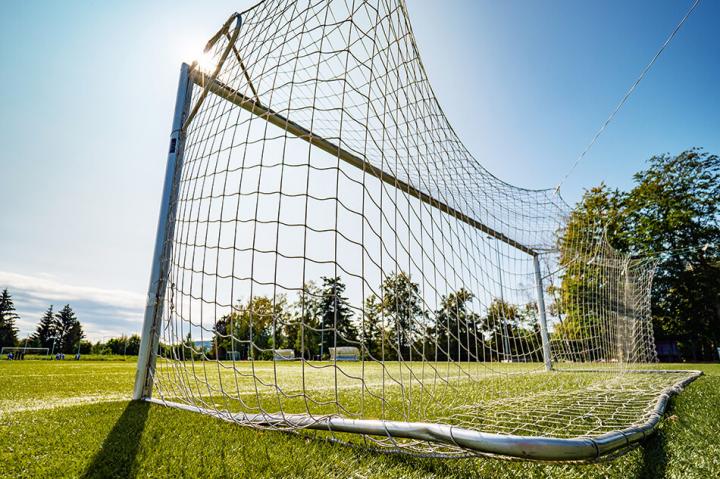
(324,201)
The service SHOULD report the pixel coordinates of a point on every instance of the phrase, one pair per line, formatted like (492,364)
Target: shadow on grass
(654,454)
(118,454)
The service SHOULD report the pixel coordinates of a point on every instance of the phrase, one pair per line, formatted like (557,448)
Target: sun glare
(205,62)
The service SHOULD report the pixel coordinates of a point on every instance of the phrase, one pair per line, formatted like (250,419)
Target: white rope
(627,94)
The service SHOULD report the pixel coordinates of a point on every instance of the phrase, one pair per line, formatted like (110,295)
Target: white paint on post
(163,244)
(543,318)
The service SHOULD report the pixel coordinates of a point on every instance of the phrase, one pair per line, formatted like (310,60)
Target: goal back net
(318,201)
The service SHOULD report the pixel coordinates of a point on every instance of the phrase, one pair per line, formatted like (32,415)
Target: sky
(90,87)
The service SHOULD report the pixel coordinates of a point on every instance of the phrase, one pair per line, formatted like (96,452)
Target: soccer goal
(317,200)
(344,353)
(284,354)
(21,352)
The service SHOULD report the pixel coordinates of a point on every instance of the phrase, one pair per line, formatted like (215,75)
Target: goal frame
(512,446)
(6,349)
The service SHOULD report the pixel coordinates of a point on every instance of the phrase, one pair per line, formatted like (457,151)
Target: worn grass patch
(120,438)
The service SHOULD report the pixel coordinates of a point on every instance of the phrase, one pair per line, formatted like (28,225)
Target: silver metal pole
(161,255)
(543,318)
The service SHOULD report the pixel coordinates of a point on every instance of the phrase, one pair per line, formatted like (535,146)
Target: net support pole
(541,312)
(161,254)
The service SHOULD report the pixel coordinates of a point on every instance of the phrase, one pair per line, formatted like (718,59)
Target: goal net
(318,202)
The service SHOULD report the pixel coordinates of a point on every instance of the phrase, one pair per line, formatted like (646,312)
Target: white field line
(271,389)
(11,407)
(61,375)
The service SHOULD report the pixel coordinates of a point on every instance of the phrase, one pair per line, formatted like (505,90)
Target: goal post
(158,275)
(317,201)
(163,238)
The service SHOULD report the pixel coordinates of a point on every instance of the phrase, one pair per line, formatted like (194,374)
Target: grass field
(74,419)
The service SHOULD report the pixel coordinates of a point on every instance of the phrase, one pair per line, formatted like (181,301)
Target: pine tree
(47,329)
(69,330)
(335,315)
(8,316)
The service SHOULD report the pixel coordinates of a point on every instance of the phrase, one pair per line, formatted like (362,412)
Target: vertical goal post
(156,289)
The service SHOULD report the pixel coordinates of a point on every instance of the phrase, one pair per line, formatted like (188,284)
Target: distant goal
(345,353)
(20,352)
(319,206)
(284,354)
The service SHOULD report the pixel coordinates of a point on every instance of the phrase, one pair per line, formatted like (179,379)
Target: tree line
(59,331)
(391,326)
(671,214)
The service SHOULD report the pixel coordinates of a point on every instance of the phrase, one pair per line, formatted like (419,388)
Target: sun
(205,62)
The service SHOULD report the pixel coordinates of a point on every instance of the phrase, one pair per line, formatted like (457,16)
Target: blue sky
(90,87)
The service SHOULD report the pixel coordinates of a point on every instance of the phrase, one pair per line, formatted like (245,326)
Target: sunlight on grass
(118,438)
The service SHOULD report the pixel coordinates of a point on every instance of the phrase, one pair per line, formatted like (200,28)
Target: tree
(85,347)
(220,338)
(402,309)
(8,316)
(100,348)
(674,215)
(133,345)
(124,345)
(302,330)
(46,331)
(186,350)
(69,332)
(500,322)
(457,327)
(249,328)
(335,314)
(372,330)
(597,220)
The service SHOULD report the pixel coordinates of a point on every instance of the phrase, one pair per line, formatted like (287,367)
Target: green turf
(119,438)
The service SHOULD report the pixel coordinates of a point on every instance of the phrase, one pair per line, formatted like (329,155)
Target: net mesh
(325,210)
